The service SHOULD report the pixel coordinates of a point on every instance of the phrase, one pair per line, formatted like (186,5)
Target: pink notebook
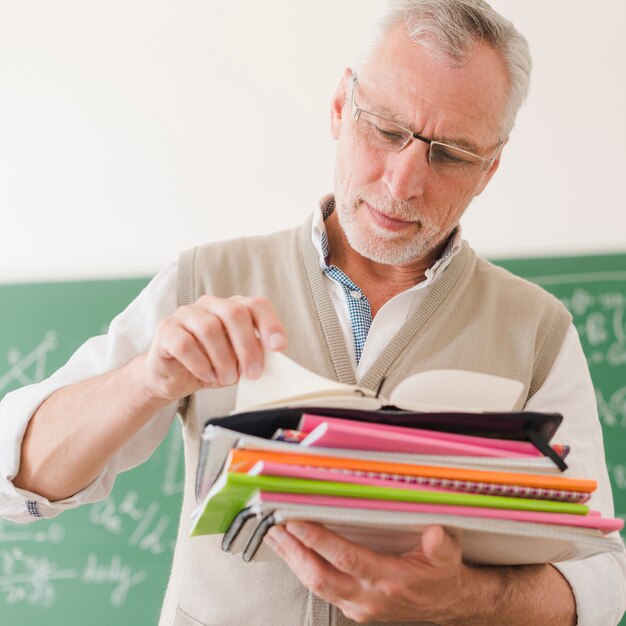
(265,468)
(592,520)
(271,468)
(331,432)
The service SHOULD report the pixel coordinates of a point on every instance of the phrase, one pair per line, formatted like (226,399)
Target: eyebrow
(459,142)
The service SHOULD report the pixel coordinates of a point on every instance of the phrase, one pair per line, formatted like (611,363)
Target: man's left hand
(424,584)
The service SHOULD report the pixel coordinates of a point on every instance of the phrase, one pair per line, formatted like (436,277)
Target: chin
(379,244)
(389,255)
(386,249)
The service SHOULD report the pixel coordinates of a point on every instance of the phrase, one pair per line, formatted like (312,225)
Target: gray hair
(448,30)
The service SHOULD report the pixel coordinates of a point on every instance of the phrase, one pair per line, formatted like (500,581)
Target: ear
(338,102)
(492,170)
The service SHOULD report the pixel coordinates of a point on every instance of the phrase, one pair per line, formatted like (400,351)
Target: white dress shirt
(597,582)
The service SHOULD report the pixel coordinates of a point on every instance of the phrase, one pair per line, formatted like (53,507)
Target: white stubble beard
(385,246)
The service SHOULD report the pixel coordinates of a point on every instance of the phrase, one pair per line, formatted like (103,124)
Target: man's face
(393,207)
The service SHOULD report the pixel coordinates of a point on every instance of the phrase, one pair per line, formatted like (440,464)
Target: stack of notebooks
(379,471)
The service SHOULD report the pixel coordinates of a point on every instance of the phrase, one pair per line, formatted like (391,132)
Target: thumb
(439,547)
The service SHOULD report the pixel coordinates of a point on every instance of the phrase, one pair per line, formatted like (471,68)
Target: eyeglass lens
(445,160)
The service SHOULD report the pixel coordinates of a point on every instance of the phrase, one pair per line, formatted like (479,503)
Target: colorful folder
(500,494)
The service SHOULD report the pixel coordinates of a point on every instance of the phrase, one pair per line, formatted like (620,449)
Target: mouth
(387,222)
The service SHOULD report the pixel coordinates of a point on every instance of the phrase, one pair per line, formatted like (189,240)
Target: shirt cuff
(20,505)
(598,586)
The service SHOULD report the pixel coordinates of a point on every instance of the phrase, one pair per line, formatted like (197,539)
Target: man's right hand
(76,430)
(211,343)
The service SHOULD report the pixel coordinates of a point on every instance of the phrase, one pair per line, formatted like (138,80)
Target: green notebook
(233,490)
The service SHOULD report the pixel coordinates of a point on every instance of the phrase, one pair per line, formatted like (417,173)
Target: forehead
(432,96)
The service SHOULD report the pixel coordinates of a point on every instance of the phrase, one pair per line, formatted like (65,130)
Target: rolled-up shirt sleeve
(129,335)
(598,582)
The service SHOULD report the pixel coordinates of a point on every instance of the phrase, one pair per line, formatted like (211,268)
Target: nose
(406,171)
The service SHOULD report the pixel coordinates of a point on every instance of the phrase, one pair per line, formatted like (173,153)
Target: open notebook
(286,383)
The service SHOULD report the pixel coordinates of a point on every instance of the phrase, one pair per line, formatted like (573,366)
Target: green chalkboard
(105,563)
(108,563)
(593,288)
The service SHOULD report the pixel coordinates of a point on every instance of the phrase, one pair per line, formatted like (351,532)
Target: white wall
(132,129)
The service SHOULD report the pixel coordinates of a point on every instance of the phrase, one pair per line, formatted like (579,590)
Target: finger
(211,335)
(266,321)
(313,571)
(439,547)
(180,345)
(346,556)
(238,323)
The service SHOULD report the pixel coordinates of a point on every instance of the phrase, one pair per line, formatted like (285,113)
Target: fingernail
(276,341)
(254,370)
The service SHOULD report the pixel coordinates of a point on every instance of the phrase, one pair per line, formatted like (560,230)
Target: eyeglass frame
(356,113)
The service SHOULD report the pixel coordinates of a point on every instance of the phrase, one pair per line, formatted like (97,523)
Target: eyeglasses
(445,159)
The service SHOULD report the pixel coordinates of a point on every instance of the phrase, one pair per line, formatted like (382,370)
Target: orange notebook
(242,460)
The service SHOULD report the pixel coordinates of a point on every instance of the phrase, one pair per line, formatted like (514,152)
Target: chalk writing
(595,329)
(35,360)
(616,354)
(105,514)
(54,533)
(114,572)
(145,524)
(601,323)
(612,412)
(29,579)
(618,473)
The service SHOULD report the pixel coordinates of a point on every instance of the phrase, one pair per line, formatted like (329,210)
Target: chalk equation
(114,572)
(14,533)
(32,579)
(144,525)
(601,323)
(618,474)
(612,410)
(29,368)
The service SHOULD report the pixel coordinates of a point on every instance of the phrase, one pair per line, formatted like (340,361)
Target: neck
(379,282)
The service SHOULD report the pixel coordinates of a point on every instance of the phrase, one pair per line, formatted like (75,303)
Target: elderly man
(378,284)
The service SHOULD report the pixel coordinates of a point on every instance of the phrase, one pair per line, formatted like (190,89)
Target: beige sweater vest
(476,317)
